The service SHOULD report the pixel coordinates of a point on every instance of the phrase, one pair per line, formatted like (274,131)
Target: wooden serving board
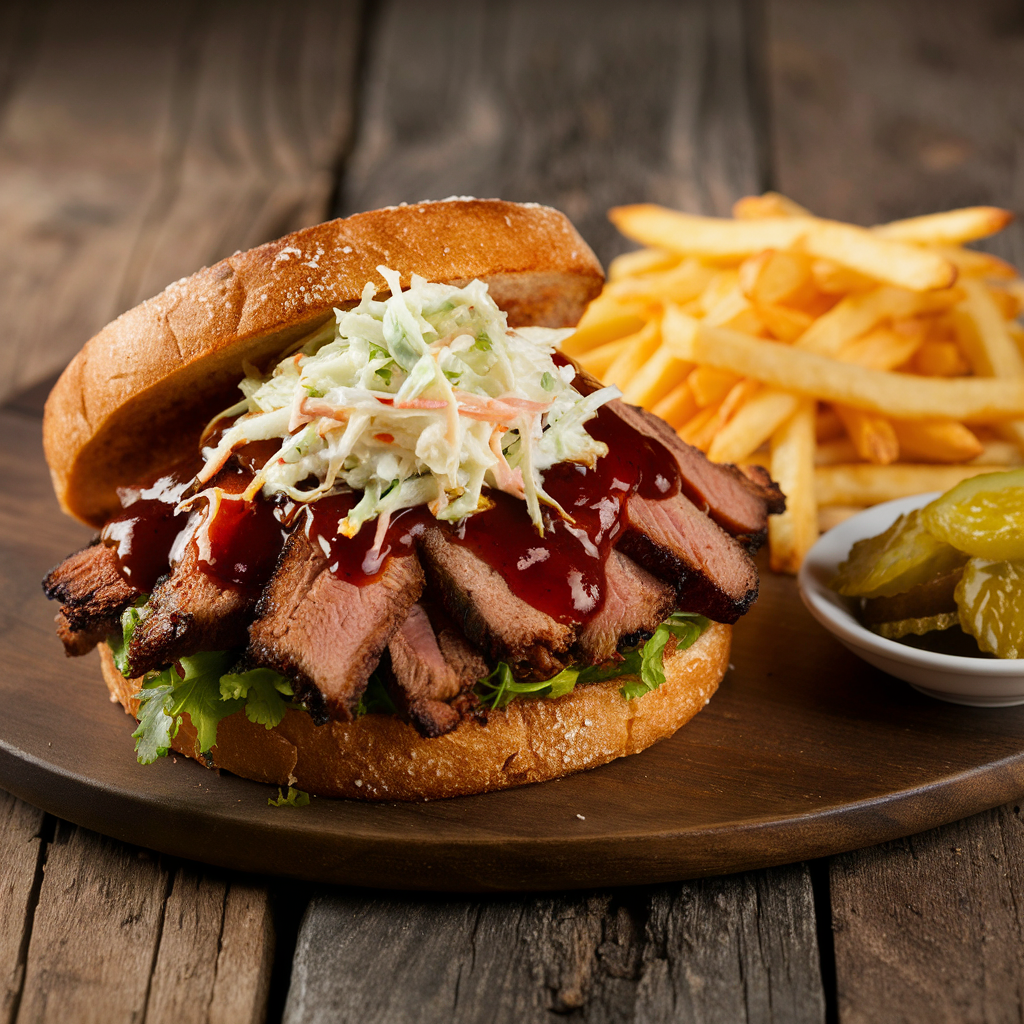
(805,751)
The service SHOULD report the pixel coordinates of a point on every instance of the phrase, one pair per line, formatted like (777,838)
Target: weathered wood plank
(216,946)
(731,949)
(574,104)
(20,874)
(931,928)
(141,141)
(95,931)
(883,110)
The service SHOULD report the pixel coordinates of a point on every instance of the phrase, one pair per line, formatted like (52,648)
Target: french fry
(792,533)
(936,441)
(898,263)
(634,354)
(655,379)
(938,358)
(598,360)
(605,319)
(869,485)
(858,313)
(701,436)
(753,424)
(681,283)
(770,204)
(678,406)
(987,344)
(949,228)
(881,349)
(833,515)
(715,237)
(827,425)
(694,428)
(807,373)
(873,436)
(1000,453)
(642,261)
(977,264)
(834,279)
(837,450)
(784,323)
(708,385)
(773,277)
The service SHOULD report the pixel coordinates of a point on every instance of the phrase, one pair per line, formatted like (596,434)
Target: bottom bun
(379,757)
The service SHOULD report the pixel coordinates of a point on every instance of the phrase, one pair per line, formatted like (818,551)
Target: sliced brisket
(93,594)
(189,612)
(322,632)
(674,540)
(740,504)
(422,681)
(502,625)
(634,603)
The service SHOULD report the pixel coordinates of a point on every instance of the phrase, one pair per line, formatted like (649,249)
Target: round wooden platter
(804,752)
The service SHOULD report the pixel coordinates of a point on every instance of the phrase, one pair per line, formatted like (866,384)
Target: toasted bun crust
(379,757)
(145,386)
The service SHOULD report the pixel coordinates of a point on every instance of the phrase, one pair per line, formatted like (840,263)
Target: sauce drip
(563,572)
(352,558)
(147,527)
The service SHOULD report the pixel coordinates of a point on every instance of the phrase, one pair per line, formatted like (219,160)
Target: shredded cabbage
(422,398)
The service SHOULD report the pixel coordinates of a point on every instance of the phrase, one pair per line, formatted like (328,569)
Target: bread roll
(142,389)
(380,757)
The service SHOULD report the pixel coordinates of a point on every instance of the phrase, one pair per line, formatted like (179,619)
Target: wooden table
(139,141)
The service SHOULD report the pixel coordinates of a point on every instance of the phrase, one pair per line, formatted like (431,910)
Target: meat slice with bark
(739,503)
(502,625)
(93,594)
(324,633)
(190,611)
(635,602)
(423,681)
(712,574)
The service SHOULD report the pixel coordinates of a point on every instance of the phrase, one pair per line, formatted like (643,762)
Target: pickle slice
(989,598)
(894,561)
(915,627)
(983,516)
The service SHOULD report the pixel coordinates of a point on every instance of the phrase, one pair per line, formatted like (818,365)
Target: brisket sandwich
(418,554)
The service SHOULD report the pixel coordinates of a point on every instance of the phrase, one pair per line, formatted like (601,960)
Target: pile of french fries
(855,364)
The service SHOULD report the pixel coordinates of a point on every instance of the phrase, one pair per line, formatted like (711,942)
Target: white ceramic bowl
(980,681)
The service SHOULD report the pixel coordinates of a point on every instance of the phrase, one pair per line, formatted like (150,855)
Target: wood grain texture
(729,950)
(931,928)
(140,141)
(884,110)
(95,932)
(577,104)
(216,948)
(20,875)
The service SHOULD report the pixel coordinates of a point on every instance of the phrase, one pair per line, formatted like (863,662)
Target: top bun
(142,389)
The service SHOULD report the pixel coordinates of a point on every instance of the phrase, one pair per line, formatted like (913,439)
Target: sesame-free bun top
(141,391)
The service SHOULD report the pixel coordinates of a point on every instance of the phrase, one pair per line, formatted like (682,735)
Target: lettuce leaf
(293,798)
(118,644)
(498,689)
(263,690)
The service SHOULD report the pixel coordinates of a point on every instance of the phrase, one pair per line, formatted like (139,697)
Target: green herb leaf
(156,727)
(130,618)
(262,689)
(293,798)
(498,689)
(375,699)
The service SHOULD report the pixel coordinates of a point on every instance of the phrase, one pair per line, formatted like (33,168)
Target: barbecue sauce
(561,573)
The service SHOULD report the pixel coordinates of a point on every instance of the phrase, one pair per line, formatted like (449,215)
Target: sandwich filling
(416,511)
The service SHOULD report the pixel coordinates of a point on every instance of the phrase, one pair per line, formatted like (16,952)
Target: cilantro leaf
(262,690)
(118,644)
(156,727)
(293,798)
